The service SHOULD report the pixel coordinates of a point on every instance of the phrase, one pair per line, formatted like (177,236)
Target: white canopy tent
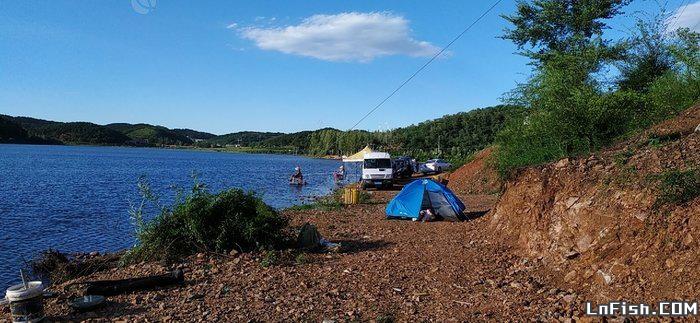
(357,157)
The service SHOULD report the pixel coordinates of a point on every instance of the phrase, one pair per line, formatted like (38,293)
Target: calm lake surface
(76,199)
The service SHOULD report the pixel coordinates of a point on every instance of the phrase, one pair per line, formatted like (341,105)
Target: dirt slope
(476,176)
(594,220)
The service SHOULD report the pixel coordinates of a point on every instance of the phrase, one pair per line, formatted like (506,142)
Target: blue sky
(226,66)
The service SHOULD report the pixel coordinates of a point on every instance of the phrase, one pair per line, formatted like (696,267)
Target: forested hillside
(81,133)
(243,138)
(194,134)
(453,136)
(151,135)
(11,131)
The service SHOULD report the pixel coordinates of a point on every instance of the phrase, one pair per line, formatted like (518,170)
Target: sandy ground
(387,269)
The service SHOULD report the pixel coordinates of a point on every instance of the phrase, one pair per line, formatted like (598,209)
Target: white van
(377,170)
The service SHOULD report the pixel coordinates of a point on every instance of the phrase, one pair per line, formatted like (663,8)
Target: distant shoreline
(241,150)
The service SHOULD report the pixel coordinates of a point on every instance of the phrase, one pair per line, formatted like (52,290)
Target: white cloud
(350,36)
(232,25)
(688,17)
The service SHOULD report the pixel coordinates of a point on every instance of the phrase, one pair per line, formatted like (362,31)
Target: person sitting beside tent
(427,215)
(297,177)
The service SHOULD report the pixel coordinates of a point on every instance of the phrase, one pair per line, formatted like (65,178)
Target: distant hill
(243,138)
(32,123)
(81,133)
(11,131)
(151,135)
(194,134)
(454,136)
(458,134)
(38,131)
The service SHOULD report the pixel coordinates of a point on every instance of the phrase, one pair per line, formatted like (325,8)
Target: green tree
(648,56)
(543,28)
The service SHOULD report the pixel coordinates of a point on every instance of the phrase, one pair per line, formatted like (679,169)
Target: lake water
(76,199)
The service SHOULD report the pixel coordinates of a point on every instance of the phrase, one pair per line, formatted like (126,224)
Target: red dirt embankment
(477,176)
(594,218)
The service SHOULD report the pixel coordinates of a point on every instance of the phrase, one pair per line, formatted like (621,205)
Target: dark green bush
(206,222)
(678,187)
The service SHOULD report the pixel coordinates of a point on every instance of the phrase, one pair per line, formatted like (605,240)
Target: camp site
(350,161)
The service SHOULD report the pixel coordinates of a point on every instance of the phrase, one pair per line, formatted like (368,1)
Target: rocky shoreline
(385,271)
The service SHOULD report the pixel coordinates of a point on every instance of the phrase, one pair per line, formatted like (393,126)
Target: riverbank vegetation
(200,221)
(586,91)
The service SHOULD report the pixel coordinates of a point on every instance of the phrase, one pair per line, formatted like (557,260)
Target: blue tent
(422,194)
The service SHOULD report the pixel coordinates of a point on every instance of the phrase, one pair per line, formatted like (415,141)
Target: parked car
(403,167)
(435,166)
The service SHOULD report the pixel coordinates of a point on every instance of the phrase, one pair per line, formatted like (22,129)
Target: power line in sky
(680,13)
(425,65)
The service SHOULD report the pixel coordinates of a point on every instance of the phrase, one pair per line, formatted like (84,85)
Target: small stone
(516,285)
(572,254)
(688,240)
(233,253)
(568,298)
(570,277)
(670,263)
(562,163)
(603,278)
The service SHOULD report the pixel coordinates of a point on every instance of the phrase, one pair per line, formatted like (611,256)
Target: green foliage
(647,58)
(571,110)
(457,137)
(194,134)
(269,258)
(678,187)
(81,133)
(202,222)
(32,123)
(151,135)
(326,203)
(301,259)
(386,318)
(680,86)
(11,131)
(244,138)
(551,27)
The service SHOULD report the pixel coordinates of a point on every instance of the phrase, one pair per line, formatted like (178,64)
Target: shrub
(270,258)
(678,187)
(206,222)
(679,87)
